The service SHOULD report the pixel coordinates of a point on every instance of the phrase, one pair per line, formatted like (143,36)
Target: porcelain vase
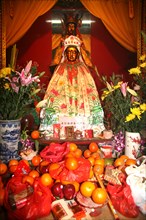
(132,144)
(10,131)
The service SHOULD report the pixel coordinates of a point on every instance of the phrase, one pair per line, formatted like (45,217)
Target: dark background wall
(106,53)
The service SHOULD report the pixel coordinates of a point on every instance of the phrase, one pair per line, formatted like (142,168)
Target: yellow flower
(142,57)
(7,86)
(143,107)
(136,112)
(135,70)
(143,65)
(130,117)
(5,71)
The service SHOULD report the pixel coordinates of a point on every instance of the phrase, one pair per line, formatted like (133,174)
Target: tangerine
(3,168)
(99,196)
(124,157)
(71,163)
(53,166)
(34,173)
(119,162)
(93,147)
(99,161)
(13,168)
(92,160)
(98,168)
(36,160)
(46,179)
(72,147)
(13,162)
(28,179)
(130,162)
(78,153)
(86,188)
(35,134)
(91,173)
(87,153)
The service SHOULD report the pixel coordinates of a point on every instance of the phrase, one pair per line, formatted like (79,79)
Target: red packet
(56,130)
(89,133)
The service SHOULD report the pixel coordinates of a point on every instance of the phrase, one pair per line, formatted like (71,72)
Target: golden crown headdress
(70,18)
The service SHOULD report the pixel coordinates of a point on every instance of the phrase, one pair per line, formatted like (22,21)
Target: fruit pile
(50,174)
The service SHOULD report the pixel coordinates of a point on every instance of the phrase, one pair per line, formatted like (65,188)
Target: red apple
(57,190)
(69,191)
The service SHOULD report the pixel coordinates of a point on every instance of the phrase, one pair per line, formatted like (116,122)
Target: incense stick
(109,200)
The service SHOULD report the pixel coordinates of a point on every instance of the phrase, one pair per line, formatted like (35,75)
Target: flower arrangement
(124,106)
(139,76)
(18,91)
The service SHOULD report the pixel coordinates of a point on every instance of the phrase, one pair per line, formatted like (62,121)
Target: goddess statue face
(72,53)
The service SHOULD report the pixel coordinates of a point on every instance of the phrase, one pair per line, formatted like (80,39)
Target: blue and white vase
(10,131)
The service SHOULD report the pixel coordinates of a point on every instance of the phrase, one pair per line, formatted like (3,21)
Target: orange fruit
(99,161)
(98,168)
(124,157)
(76,185)
(91,173)
(28,179)
(72,147)
(34,173)
(130,162)
(96,155)
(93,147)
(36,160)
(70,154)
(87,153)
(46,179)
(53,166)
(44,163)
(92,160)
(86,188)
(77,153)
(71,163)
(13,162)
(99,196)
(13,168)
(35,134)
(119,162)
(3,168)
(2,195)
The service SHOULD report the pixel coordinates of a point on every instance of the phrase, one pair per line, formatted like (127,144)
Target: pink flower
(123,88)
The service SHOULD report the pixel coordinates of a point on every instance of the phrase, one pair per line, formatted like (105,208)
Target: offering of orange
(99,196)
(93,147)
(3,168)
(86,188)
(13,162)
(46,179)
(28,179)
(35,134)
(71,163)
(36,160)
(72,147)
(34,173)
